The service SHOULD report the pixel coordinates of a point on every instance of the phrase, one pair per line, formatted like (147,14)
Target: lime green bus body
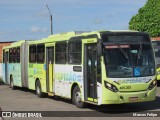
(91,72)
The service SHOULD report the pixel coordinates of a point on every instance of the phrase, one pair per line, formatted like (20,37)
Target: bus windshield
(129,60)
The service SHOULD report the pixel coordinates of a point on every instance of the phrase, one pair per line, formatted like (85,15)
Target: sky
(30,19)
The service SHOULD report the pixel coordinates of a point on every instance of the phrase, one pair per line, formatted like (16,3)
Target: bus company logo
(68,77)
(133,80)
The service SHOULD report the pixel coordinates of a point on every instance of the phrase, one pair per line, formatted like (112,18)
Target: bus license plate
(133,98)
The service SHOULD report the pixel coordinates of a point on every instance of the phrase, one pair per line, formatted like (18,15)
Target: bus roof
(16,44)
(67,36)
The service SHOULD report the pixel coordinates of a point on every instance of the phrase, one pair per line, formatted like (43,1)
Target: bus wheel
(77,98)
(11,83)
(39,90)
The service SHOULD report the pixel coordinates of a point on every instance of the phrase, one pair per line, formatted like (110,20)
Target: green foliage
(147,19)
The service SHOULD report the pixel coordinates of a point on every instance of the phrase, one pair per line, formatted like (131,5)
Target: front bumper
(110,97)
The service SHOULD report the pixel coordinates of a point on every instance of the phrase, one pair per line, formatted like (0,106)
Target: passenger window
(18,55)
(74,52)
(32,54)
(61,50)
(40,53)
(10,55)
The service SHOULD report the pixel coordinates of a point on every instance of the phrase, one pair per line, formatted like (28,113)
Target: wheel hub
(38,90)
(78,97)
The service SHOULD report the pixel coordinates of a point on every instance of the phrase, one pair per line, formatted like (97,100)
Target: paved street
(25,100)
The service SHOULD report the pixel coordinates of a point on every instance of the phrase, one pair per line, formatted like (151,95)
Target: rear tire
(39,90)
(11,83)
(77,98)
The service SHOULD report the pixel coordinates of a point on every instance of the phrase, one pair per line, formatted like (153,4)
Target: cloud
(35,29)
(97,21)
(43,13)
(38,29)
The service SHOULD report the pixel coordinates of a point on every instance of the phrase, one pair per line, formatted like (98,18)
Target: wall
(0,70)
(2,44)
(156,38)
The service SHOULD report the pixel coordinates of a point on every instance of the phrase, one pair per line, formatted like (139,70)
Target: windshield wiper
(123,52)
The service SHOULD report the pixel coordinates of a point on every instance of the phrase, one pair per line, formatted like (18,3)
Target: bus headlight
(152,85)
(110,86)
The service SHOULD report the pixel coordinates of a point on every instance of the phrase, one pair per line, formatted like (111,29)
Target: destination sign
(116,46)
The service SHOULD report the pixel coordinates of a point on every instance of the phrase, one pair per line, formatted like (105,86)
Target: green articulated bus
(99,67)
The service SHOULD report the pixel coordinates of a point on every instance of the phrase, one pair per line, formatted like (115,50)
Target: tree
(147,19)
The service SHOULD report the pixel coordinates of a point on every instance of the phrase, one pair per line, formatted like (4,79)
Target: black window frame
(40,53)
(10,55)
(75,52)
(14,55)
(61,52)
(18,55)
(32,51)
(3,56)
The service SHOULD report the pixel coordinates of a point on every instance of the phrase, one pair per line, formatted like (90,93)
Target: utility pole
(50,19)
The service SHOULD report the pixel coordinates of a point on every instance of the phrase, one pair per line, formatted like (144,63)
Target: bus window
(40,53)
(3,56)
(14,55)
(61,49)
(74,52)
(10,55)
(18,55)
(32,54)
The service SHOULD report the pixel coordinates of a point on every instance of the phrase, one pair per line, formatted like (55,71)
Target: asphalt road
(25,100)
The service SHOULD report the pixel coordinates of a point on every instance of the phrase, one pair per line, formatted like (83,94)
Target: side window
(74,52)
(32,54)
(61,50)
(40,53)
(14,55)
(18,55)
(3,56)
(10,55)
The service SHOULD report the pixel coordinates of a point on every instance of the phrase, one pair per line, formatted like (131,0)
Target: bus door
(6,67)
(49,68)
(90,72)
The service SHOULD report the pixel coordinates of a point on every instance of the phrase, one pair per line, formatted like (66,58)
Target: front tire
(77,98)
(39,90)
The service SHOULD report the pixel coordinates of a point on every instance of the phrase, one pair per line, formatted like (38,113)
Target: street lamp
(50,19)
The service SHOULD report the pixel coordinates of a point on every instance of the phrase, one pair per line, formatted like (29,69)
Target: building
(2,44)
(156,38)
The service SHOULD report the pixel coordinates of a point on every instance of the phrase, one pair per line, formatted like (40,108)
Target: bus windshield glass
(127,59)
